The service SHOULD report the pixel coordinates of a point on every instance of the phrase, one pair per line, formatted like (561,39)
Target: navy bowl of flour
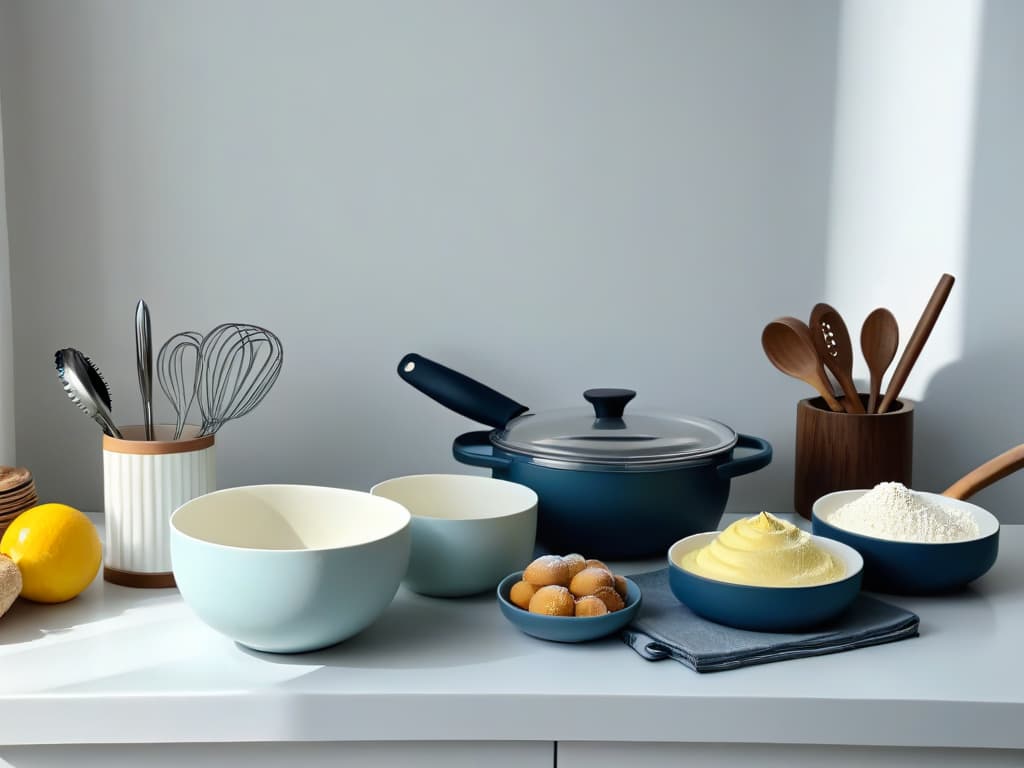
(912,542)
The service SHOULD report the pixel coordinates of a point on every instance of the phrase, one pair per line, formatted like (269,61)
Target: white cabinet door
(573,754)
(359,754)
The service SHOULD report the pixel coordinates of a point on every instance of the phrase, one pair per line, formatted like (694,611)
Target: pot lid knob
(609,403)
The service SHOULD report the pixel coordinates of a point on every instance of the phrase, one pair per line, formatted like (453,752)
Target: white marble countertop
(120,665)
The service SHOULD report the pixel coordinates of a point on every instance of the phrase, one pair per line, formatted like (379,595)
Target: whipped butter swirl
(764,551)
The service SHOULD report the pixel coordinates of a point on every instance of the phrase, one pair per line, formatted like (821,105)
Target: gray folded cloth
(664,628)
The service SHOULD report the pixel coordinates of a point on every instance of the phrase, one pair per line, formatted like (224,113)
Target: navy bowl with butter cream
(764,609)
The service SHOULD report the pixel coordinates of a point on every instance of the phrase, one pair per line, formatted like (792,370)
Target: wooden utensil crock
(845,451)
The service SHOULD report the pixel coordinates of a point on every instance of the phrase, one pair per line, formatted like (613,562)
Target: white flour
(893,511)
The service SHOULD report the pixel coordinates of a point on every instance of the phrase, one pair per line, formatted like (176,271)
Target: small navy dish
(566,629)
(912,567)
(764,609)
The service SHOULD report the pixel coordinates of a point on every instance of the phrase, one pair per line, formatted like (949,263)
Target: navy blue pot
(615,514)
(611,484)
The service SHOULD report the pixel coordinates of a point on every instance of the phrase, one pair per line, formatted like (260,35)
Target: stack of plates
(17,493)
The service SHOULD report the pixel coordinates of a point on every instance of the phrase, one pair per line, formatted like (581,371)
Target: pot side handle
(761,457)
(475,449)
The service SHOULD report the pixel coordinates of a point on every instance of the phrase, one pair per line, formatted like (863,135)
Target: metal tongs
(86,387)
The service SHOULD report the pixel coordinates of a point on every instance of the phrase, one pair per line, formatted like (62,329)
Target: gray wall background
(7,449)
(548,197)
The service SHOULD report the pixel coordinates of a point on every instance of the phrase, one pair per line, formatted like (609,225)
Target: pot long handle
(761,457)
(458,392)
(994,469)
(475,449)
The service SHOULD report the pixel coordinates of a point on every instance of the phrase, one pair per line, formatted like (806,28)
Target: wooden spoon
(994,469)
(879,338)
(832,341)
(788,344)
(917,339)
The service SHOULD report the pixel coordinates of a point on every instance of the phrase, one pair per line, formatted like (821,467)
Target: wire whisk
(238,365)
(228,372)
(177,370)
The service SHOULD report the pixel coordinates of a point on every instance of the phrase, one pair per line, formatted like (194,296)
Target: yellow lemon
(57,550)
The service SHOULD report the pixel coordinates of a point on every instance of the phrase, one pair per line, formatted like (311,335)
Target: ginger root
(10,583)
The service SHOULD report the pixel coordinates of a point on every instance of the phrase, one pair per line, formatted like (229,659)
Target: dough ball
(553,600)
(521,593)
(589,605)
(587,581)
(575,562)
(611,598)
(546,570)
(621,587)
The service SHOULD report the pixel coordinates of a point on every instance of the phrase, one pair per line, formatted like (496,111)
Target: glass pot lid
(608,436)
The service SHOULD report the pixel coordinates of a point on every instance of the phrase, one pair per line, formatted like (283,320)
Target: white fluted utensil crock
(144,481)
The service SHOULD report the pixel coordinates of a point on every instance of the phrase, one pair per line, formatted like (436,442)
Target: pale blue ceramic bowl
(567,629)
(468,531)
(289,568)
(764,609)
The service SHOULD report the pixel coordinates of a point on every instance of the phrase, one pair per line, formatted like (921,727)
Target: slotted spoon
(832,341)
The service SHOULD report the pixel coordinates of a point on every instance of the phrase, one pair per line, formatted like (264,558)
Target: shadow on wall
(973,409)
